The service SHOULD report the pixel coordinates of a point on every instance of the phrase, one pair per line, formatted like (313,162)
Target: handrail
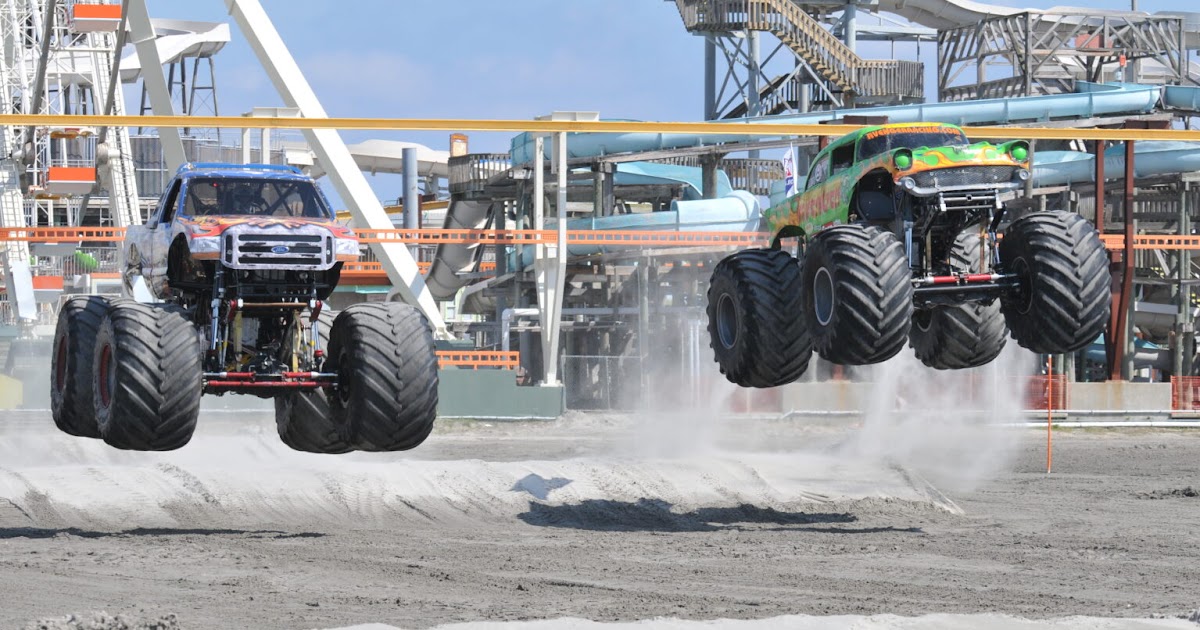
(475,359)
(656,238)
(762,129)
(664,238)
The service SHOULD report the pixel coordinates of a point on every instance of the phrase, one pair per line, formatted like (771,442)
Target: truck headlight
(345,249)
(1019,150)
(206,248)
(1023,174)
(908,183)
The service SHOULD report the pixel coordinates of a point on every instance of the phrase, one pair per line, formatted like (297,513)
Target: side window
(819,173)
(167,212)
(843,157)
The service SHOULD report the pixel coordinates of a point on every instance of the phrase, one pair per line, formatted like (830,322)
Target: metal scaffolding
(1034,53)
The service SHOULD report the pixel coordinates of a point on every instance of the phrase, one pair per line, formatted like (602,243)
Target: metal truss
(779,83)
(1045,53)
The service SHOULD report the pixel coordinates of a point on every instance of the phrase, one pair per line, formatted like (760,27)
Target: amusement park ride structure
(572,269)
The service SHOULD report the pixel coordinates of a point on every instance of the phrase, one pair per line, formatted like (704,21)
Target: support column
(247,137)
(1182,353)
(710,77)
(708,175)
(556,281)
(1121,368)
(412,194)
(143,38)
(850,24)
(754,70)
(264,141)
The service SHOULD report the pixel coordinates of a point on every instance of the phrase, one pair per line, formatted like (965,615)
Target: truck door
(158,237)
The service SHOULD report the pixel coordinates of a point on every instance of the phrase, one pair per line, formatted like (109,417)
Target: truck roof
(250,171)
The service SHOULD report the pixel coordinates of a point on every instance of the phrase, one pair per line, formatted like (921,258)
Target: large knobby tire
(858,294)
(1063,301)
(754,323)
(304,420)
(71,364)
(954,337)
(148,378)
(387,389)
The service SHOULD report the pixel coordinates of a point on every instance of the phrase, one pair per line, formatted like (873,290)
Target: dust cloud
(947,425)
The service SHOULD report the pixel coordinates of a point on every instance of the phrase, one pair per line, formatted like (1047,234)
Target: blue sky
(488,59)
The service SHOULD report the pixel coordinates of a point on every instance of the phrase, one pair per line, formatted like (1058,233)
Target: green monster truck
(901,236)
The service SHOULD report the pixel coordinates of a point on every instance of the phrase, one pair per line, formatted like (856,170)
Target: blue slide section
(738,210)
(1090,100)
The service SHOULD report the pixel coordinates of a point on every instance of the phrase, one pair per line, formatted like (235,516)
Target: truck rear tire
(958,336)
(304,420)
(148,378)
(754,323)
(387,392)
(71,365)
(1063,301)
(858,294)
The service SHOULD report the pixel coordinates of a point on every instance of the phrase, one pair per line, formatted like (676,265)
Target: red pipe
(270,384)
(967,279)
(250,376)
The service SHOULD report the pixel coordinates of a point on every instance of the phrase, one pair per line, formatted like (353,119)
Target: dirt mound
(239,475)
(105,621)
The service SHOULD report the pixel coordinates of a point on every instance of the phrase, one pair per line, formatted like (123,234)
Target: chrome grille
(254,249)
(965,176)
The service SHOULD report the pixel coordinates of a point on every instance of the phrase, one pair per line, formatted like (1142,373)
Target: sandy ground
(610,519)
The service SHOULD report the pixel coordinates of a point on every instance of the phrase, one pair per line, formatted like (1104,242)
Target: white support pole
(264,140)
(349,181)
(552,324)
(142,35)
(247,137)
(545,288)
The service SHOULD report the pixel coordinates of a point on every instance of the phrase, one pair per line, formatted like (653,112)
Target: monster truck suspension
(266,369)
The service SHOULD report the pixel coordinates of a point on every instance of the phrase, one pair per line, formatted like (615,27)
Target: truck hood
(215,226)
(980,154)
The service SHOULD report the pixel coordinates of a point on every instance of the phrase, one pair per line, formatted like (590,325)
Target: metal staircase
(858,80)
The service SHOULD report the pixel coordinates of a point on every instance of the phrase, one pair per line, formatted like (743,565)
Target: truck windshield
(244,196)
(886,139)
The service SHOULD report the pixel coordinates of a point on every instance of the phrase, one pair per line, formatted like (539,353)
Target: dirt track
(600,518)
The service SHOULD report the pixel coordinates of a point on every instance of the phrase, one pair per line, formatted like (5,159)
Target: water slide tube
(1090,100)
(730,210)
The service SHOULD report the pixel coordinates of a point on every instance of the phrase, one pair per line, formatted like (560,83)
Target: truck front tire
(1063,301)
(957,336)
(305,420)
(858,294)
(147,378)
(755,324)
(72,362)
(387,387)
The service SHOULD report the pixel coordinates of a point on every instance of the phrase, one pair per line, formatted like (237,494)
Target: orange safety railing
(1047,392)
(1185,393)
(438,235)
(62,235)
(533,237)
(476,359)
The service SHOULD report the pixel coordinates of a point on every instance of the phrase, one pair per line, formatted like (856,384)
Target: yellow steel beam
(547,126)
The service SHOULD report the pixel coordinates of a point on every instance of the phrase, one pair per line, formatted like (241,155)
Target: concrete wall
(1116,396)
(1119,395)
(10,393)
(494,394)
(827,396)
